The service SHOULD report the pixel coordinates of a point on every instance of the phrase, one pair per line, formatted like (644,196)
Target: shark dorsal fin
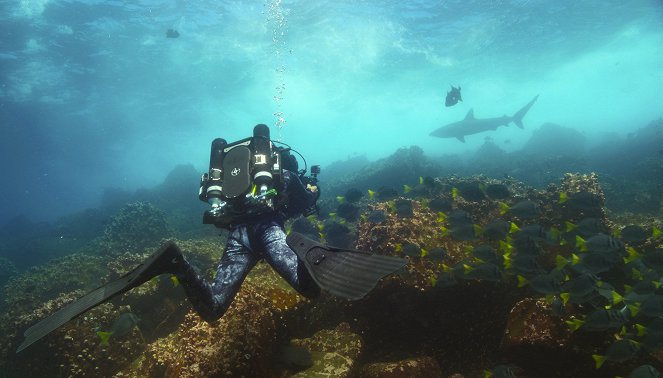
(470,114)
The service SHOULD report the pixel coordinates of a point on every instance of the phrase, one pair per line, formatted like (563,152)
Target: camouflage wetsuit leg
(212,301)
(245,246)
(269,238)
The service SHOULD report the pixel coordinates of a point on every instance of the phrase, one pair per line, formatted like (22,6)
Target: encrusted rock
(236,345)
(334,352)
(420,367)
(532,323)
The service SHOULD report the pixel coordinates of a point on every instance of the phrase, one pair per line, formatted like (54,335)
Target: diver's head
(261,131)
(288,161)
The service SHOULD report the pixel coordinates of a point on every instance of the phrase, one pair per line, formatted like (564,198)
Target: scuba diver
(253,187)
(453,96)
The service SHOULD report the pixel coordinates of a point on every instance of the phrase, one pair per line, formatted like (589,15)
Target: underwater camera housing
(241,178)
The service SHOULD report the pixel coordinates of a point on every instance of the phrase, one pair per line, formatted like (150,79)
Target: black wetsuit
(262,238)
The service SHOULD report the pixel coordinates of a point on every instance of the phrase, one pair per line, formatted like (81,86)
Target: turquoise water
(94,95)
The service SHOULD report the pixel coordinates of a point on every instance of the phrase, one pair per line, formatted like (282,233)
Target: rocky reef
(136,226)
(469,301)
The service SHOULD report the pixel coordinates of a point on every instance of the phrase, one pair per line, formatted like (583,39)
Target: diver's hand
(312,188)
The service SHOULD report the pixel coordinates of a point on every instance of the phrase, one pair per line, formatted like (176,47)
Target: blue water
(93,95)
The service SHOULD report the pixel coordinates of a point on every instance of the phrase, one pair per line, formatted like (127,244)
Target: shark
(470,125)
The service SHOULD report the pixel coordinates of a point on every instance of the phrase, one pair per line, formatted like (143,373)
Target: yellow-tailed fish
(569,226)
(580,244)
(563,197)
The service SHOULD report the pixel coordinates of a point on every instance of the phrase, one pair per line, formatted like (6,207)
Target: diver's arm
(299,197)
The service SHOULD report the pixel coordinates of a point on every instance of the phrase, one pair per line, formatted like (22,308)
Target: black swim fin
(165,260)
(347,273)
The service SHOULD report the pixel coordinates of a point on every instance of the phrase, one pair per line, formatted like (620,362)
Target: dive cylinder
(214,189)
(263,158)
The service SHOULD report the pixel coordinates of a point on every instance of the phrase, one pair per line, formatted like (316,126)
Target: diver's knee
(211,317)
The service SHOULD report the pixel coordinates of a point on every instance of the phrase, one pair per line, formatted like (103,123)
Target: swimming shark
(471,125)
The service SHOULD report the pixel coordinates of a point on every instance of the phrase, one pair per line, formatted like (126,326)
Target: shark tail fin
(518,117)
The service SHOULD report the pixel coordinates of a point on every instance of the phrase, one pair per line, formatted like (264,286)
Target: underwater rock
(136,226)
(462,327)
(31,289)
(419,367)
(405,166)
(581,196)
(551,140)
(532,323)
(236,345)
(334,352)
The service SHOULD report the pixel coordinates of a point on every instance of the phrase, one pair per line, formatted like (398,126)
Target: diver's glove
(315,190)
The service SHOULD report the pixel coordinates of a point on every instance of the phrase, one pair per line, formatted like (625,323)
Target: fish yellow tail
(563,197)
(569,226)
(104,336)
(599,360)
(574,324)
(504,208)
